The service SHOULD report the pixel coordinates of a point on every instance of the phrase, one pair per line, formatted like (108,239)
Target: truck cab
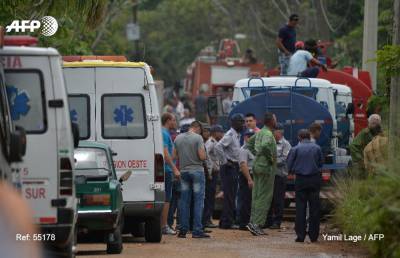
(38,103)
(345,120)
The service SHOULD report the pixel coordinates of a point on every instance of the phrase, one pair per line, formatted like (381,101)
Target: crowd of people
(252,165)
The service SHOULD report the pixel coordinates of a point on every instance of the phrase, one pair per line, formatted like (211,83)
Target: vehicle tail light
(291,177)
(158,168)
(326,175)
(66,177)
(96,199)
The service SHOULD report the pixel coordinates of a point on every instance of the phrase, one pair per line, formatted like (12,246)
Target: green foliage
(372,206)
(388,59)
(379,104)
(76,19)
(90,12)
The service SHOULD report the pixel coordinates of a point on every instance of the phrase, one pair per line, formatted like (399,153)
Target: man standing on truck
(286,42)
(229,147)
(299,61)
(361,141)
(306,160)
(263,146)
(168,122)
(275,213)
(191,152)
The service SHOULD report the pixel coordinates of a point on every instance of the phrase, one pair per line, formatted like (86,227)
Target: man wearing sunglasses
(286,42)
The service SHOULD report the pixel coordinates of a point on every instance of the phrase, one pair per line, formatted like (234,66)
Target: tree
(75,18)
(394,127)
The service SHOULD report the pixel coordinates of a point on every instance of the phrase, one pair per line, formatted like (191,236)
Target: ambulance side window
(123,116)
(25,90)
(79,109)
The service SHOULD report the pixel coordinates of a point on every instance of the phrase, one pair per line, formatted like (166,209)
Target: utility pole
(394,117)
(370,38)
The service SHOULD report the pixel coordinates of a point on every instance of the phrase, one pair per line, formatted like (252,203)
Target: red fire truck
(216,72)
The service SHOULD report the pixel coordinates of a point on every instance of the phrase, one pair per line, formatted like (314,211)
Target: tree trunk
(394,118)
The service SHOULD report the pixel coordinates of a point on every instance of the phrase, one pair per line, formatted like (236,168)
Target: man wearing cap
(299,45)
(275,213)
(213,163)
(299,61)
(263,146)
(229,146)
(246,183)
(361,141)
(305,161)
(286,42)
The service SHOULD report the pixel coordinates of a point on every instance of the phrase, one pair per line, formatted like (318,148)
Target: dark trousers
(311,72)
(229,179)
(209,201)
(307,191)
(275,213)
(173,205)
(245,201)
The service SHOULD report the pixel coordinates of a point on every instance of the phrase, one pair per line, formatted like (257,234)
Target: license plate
(157,186)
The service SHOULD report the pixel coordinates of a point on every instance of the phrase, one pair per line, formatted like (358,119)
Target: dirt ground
(231,244)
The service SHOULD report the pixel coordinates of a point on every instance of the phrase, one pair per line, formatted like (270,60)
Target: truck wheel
(115,246)
(137,230)
(69,250)
(152,232)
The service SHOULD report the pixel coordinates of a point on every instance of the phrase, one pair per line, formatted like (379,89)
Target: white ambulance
(115,102)
(38,103)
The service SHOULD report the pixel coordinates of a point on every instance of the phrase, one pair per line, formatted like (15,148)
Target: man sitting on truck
(299,61)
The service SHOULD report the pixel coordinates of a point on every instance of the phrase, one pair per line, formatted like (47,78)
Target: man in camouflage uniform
(376,154)
(263,146)
(360,142)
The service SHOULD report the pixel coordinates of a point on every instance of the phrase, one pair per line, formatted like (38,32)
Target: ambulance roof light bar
(94,58)
(20,41)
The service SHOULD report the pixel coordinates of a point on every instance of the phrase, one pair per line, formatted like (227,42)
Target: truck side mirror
(350,109)
(17,144)
(212,106)
(335,94)
(75,134)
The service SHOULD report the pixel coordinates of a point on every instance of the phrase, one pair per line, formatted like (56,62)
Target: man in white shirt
(299,61)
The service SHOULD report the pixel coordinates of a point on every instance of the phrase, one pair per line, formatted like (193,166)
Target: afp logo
(48,26)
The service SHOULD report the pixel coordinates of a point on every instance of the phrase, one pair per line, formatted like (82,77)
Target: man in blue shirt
(305,160)
(286,42)
(168,121)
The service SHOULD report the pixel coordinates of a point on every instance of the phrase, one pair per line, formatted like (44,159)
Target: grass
(371,206)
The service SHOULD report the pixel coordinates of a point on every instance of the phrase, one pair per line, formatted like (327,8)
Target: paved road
(229,244)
